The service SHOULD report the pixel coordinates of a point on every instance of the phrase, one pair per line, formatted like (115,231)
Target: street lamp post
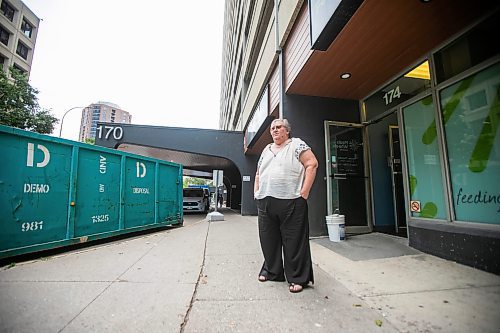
(64,115)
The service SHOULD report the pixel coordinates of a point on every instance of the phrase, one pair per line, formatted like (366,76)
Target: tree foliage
(90,141)
(186,181)
(19,104)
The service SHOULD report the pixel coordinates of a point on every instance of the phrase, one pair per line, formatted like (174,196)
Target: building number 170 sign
(105,132)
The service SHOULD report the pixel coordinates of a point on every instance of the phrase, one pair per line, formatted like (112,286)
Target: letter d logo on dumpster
(31,155)
(141,167)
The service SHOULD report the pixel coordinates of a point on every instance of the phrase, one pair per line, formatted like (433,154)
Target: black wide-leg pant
(284,233)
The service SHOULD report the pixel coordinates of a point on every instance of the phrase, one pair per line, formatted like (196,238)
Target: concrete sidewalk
(414,292)
(203,278)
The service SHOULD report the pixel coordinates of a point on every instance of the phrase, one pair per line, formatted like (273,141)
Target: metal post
(216,190)
(279,52)
(65,113)
(216,216)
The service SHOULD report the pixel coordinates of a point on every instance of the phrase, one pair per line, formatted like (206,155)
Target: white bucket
(336,227)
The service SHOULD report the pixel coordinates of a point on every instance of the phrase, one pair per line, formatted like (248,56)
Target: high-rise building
(18,31)
(101,112)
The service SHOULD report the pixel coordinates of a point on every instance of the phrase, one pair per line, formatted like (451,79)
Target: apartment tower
(101,112)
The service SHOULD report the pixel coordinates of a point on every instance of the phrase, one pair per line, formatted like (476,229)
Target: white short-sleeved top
(281,175)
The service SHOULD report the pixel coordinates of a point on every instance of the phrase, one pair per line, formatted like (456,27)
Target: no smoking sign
(415,206)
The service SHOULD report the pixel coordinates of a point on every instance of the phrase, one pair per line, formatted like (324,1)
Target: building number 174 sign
(392,95)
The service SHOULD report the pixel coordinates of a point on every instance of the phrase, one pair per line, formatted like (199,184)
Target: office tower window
(4,36)
(2,61)
(26,28)
(20,69)
(22,50)
(7,10)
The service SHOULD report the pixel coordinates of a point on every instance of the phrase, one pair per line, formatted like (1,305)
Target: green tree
(19,104)
(186,181)
(90,141)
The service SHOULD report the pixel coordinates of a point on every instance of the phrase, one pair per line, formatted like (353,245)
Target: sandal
(295,288)
(262,278)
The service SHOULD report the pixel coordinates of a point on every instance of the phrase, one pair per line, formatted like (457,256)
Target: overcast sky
(159,60)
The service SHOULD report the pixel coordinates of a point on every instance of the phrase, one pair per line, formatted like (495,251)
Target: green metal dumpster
(56,192)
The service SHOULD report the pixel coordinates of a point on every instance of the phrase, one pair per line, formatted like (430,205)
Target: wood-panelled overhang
(383,38)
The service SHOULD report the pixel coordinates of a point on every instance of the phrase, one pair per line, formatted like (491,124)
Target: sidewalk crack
(200,275)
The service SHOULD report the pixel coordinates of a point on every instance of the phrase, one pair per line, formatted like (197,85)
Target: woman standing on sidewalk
(285,174)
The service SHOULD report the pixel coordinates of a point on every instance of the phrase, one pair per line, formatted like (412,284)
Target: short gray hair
(285,122)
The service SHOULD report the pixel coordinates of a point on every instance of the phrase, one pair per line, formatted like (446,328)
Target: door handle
(347,176)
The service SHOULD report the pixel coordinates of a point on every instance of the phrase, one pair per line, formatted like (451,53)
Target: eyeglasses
(277,127)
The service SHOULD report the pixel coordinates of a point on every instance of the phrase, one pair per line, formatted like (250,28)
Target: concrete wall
(261,74)
(473,245)
(288,11)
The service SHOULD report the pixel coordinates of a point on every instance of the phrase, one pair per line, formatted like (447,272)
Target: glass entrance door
(347,180)
(397,181)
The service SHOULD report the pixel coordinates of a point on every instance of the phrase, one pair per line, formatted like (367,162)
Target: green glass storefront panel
(97,204)
(139,192)
(424,165)
(34,189)
(471,114)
